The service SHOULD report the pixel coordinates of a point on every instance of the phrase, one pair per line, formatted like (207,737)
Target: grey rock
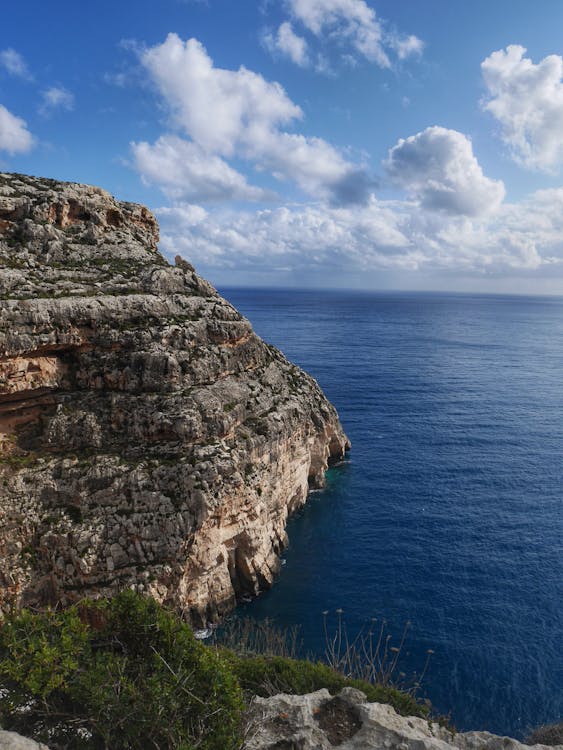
(13,741)
(320,722)
(148,437)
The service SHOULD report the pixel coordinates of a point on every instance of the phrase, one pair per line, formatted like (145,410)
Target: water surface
(449,512)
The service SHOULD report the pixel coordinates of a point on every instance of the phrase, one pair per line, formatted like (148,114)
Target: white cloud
(14,63)
(437,167)
(289,44)
(297,236)
(56,98)
(407,46)
(116,79)
(184,172)
(353,22)
(219,109)
(527,100)
(520,239)
(240,114)
(15,138)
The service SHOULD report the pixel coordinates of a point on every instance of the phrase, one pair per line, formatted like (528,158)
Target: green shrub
(127,674)
(268,675)
(548,734)
(119,674)
(266,661)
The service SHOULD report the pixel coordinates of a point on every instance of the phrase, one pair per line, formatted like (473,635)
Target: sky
(370,144)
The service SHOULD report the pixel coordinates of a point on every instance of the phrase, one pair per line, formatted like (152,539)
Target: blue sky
(356,143)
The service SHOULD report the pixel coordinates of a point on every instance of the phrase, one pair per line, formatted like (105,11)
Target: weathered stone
(148,437)
(13,741)
(320,722)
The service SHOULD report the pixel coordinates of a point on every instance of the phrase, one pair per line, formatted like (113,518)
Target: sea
(448,512)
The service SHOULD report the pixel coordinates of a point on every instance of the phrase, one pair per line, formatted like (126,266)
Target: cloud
(527,101)
(15,138)
(185,172)
(287,43)
(304,236)
(56,98)
(116,79)
(14,63)
(315,165)
(407,46)
(238,114)
(437,167)
(523,239)
(353,23)
(219,109)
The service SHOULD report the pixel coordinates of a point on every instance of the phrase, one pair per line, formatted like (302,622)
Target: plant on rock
(119,674)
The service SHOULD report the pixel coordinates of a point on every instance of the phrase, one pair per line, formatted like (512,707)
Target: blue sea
(449,512)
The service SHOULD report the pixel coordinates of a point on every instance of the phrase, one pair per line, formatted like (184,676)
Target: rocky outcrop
(13,741)
(147,436)
(320,722)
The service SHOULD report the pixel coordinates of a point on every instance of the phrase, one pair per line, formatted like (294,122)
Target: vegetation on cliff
(126,673)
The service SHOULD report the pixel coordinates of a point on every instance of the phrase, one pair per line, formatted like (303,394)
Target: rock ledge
(320,722)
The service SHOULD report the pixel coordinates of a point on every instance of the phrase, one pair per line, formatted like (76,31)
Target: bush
(265,659)
(268,675)
(127,674)
(119,674)
(548,734)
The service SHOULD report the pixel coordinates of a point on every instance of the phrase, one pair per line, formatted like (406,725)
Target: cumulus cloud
(56,98)
(220,109)
(237,113)
(296,236)
(524,238)
(15,138)
(353,24)
(437,167)
(289,44)
(14,63)
(527,100)
(185,172)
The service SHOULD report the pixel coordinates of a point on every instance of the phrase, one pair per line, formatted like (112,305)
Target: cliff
(148,437)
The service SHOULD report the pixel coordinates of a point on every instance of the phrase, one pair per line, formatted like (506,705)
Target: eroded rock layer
(147,436)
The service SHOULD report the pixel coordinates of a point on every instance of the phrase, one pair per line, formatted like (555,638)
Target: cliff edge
(319,721)
(148,437)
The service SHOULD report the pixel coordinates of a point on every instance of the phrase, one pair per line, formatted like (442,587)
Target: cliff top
(60,239)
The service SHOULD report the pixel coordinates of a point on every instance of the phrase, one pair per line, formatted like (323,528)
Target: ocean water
(449,512)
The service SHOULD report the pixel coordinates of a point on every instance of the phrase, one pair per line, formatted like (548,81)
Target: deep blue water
(449,512)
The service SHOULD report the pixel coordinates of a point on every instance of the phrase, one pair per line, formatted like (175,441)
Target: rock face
(147,436)
(320,722)
(13,741)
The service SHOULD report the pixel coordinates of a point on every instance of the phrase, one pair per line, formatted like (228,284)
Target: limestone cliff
(147,436)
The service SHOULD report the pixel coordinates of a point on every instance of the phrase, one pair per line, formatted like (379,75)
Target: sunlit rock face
(148,437)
